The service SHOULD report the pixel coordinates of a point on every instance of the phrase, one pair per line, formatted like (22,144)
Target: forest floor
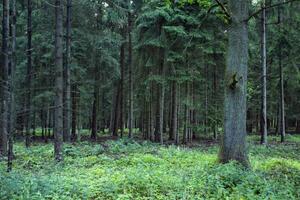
(126,169)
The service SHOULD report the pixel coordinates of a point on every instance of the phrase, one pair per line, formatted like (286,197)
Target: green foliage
(127,169)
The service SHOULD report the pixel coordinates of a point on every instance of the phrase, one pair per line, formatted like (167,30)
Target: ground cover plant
(126,169)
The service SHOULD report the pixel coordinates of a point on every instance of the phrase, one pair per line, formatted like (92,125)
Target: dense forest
(111,99)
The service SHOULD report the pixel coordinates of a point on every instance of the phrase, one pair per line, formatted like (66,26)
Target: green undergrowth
(127,169)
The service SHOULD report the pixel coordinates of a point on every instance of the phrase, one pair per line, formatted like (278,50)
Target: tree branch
(223,8)
(268,7)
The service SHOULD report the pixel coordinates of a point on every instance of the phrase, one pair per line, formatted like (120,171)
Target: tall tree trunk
(130,73)
(74,112)
(12,116)
(282,106)
(95,104)
(263,111)
(173,128)
(5,82)
(206,103)
(29,75)
(116,118)
(122,68)
(160,98)
(186,115)
(215,93)
(233,146)
(67,73)
(58,124)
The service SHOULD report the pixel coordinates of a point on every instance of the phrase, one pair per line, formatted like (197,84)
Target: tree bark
(282,105)
(122,68)
(95,104)
(58,119)
(29,75)
(215,93)
(67,73)
(116,112)
(233,145)
(186,115)
(263,117)
(12,115)
(130,73)
(206,103)
(173,128)
(74,113)
(5,82)
(160,97)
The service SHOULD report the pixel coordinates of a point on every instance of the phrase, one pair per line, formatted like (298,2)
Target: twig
(223,8)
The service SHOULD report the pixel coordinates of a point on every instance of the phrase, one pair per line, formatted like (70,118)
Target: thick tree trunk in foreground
(233,146)
(58,119)
(5,91)
(67,78)
(263,114)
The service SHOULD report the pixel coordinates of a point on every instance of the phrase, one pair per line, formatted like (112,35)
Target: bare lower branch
(223,8)
(268,7)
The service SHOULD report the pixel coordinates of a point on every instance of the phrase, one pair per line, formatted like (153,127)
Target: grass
(126,169)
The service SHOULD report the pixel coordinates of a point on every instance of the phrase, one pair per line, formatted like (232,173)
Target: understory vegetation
(128,169)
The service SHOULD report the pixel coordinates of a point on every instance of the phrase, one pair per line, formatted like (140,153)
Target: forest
(150,99)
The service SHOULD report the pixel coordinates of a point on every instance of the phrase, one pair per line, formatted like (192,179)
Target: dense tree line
(149,69)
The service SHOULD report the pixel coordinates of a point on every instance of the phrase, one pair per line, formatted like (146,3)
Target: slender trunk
(95,105)
(29,75)
(186,115)
(233,146)
(298,127)
(103,117)
(116,118)
(177,136)
(74,112)
(206,103)
(173,128)
(170,112)
(130,74)
(67,78)
(58,124)
(194,120)
(94,118)
(263,117)
(12,116)
(5,82)
(215,93)
(282,106)
(160,101)
(122,68)
(49,123)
